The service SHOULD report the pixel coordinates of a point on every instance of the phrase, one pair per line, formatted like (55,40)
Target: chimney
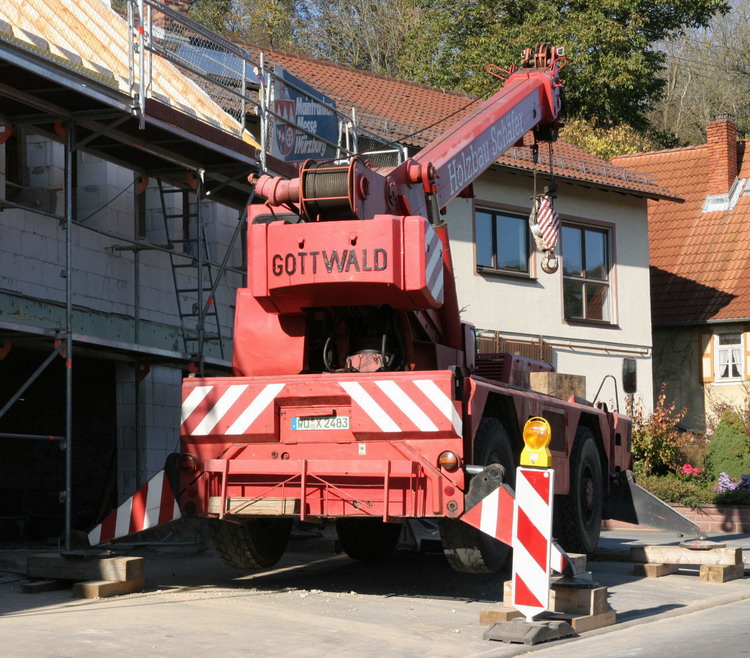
(721,134)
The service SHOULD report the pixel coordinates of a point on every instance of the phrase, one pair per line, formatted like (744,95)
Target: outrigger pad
(520,631)
(632,503)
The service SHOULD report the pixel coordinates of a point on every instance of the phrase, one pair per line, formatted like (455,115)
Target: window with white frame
(728,354)
(586,273)
(502,242)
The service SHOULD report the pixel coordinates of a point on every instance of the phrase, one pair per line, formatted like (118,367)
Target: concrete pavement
(317,603)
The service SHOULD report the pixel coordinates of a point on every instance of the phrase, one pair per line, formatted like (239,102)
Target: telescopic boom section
(529,99)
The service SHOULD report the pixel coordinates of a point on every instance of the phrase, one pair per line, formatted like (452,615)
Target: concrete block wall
(142,454)
(32,251)
(32,264)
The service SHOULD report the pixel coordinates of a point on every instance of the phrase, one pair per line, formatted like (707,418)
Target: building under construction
(125,149)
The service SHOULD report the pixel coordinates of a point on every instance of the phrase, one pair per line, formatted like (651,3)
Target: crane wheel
(253,544)
(467,549)
(578,516)
(368,538)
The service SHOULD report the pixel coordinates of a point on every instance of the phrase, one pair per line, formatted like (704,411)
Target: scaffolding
(134,129)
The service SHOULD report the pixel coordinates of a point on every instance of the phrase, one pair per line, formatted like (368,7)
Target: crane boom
(530,97)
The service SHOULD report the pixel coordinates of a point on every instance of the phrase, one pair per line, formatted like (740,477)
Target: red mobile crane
(358,395)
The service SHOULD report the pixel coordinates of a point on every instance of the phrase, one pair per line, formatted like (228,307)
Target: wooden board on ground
(39,586)
(584,623)
(55,566)
(99,589)
(654,570)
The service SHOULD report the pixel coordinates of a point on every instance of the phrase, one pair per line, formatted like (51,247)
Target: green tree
(613,63)
(608,141)
(265,23)
(707,74)
(366,34)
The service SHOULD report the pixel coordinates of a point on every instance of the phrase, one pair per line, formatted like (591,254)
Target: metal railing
(239,83)
(493,342)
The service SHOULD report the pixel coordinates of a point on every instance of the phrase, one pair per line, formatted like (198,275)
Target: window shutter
(746,347)
(707,357)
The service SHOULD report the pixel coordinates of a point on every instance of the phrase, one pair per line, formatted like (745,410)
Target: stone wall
(725,519)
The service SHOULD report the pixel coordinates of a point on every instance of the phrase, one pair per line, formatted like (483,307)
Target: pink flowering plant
(689,470)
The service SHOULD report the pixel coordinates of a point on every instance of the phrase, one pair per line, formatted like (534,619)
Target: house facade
(699,262)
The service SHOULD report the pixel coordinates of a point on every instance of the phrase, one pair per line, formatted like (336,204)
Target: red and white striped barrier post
(152,504)
(532,521)
(532,535)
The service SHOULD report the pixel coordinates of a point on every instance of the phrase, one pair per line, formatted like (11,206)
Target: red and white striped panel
(152,504)
(387,405)
(406,405)
(434,270)
(560,562)
(532,536)
(493,515)
(229,409)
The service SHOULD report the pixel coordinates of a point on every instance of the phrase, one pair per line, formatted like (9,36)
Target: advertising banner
(290,144)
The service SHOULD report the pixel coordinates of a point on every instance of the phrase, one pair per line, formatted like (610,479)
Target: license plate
(320,423)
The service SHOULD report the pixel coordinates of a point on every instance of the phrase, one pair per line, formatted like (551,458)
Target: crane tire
(368,538)
(254,544)
(578,515)
(467,549)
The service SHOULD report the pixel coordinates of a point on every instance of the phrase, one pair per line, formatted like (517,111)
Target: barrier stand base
(581,603)
(519,631)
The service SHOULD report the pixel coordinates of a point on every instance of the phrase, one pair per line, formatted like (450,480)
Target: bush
(729,449)
(736,497)
(672,489)
(656,440)
(692,449)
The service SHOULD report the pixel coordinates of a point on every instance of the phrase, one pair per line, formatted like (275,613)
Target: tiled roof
(700,262)
(88,37)
(398,109)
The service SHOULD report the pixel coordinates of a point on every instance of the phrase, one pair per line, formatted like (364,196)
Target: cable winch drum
(325,190)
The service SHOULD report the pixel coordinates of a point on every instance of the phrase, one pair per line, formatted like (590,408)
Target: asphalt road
(717,631)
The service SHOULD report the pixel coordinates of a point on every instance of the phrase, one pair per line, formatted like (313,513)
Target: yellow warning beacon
(537,435)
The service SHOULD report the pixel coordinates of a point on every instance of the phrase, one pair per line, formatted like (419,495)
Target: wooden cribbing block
(654,570)
(721,573)
(579,600)
(99,589)
(683,555)
(558,384)
(507,592)
(111,568)
(489,617)
(590,622)
(568,599)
